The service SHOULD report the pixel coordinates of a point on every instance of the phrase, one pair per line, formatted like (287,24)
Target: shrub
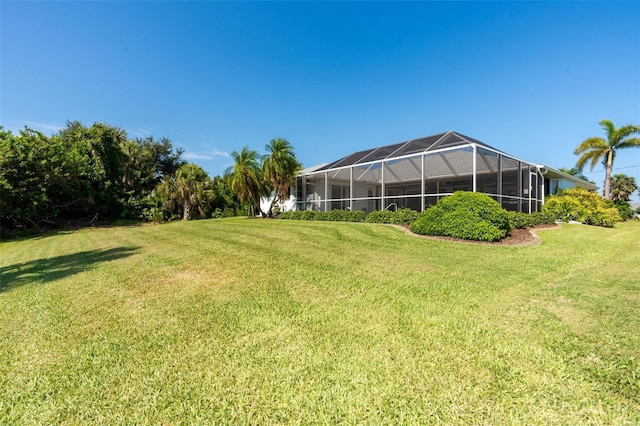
(544,218)
(565,209)
(153,214)
(297,215)
(306,215)
(582,206)
(466,215)
(379,216)
(357,216)
(404,217)
(320,216)
(624,209)
(338,215)
(400,217)
(333,215)
(520,220)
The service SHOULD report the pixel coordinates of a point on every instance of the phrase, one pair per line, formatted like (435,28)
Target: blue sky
(530,78)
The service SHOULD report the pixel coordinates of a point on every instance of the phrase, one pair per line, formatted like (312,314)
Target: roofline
(569,177)
(415,154)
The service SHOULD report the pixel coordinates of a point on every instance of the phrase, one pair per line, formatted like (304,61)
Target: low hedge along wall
(465,215)
(400,217)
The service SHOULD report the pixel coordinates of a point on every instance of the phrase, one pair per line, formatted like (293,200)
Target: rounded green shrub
(466,215)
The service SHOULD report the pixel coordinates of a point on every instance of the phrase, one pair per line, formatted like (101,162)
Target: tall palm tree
(245,177)
(596,149)
(280,167)
(622,186)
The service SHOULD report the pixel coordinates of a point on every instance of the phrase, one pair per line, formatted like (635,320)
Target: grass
(239,321)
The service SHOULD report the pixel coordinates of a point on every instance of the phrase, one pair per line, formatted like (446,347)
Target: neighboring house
(417,173)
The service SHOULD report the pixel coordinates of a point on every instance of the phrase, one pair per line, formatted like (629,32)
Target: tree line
(97,173)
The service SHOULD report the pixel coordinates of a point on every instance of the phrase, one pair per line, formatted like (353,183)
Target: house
(417,173)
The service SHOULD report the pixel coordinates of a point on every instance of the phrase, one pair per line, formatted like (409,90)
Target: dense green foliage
(582,206)
(622,187)
(380,216)
(191,190)
(77,172)
(331,216)
(97,172)
(466,215)
(624,209)
(401,217)
(519,220)
(245,322)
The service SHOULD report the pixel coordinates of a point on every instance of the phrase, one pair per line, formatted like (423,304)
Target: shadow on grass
(55,268)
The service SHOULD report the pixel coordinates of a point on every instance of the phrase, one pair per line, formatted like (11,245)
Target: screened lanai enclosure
(417,173)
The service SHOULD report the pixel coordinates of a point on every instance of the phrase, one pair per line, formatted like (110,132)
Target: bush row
(400,217)
(476,216)
(525,220)
(332,216)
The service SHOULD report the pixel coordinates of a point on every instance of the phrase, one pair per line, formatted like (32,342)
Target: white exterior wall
(285,206)
(556,184)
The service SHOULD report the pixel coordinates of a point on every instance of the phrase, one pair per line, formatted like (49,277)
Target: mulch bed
(517,237)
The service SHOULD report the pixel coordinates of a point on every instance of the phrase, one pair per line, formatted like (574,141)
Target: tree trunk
(273,203)
(186,210)
(607,176)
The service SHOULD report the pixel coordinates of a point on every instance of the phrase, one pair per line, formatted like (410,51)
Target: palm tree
(280,167)
(595,149)
(574,172)
(245,177)
(622,186)
(191,188)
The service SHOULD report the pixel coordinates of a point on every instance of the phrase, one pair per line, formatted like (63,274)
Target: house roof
(414,146)
(444,163)
(551,173)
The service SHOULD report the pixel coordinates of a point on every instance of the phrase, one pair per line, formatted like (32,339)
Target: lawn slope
(262,322)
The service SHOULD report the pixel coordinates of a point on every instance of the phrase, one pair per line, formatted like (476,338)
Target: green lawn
(269,322)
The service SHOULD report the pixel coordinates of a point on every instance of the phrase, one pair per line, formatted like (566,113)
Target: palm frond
(630,143)
(609,128)
(591,144)
(628,130)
